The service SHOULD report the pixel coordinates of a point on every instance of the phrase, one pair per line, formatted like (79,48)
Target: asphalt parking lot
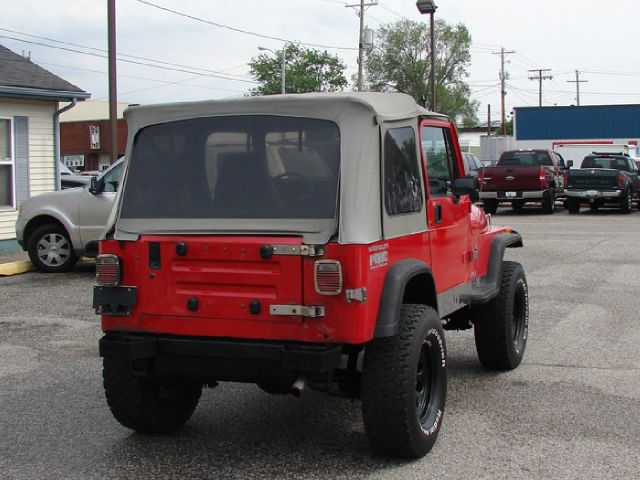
(570,410)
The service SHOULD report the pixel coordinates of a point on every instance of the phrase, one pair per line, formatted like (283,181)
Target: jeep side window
(402,184)
(438,157)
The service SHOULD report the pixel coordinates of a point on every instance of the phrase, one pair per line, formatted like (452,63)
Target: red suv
(293,241)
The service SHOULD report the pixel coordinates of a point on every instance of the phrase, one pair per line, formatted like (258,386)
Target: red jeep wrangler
(292,241)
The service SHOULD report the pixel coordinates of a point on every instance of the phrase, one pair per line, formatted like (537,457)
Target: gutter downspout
(56,139)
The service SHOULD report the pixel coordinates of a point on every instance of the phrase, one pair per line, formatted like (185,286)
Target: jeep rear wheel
(50,249)
(147,405)
(490,206)
(501,325)
(404,385)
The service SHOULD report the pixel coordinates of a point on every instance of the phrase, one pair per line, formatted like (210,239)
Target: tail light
(481,176)
(621,181)
(108,270)
(566,177)
(543,178)
(328,277)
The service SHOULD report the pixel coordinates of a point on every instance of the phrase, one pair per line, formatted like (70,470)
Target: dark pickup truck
(603,179)
(522,176)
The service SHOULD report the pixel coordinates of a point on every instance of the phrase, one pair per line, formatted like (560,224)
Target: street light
(283,61)
(428,6)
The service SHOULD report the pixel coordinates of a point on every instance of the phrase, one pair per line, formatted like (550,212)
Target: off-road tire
(50,249)
(549,202)
(501,325)
(404,385)
(573,205)
(626,202)
(146,405)
(490,206)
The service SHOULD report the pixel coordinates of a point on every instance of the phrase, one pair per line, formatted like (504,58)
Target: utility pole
(489,119)
(503,92)
(540,77)
(362,6)
(113,94)
(577,81)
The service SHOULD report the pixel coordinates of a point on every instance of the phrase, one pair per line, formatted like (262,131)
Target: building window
(6,164)
(402,184)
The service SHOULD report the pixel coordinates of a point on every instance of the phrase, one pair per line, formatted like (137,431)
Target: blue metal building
(593,122)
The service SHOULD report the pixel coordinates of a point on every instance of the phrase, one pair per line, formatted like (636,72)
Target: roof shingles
(17,71)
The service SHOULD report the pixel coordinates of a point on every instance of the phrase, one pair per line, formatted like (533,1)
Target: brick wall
(75,140)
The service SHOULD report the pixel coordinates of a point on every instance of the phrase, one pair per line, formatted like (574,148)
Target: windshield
(236,167)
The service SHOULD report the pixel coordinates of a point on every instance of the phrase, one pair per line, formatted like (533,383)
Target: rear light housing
(621,181)
(327,276)
(566,178)
(108,270)
(543,177)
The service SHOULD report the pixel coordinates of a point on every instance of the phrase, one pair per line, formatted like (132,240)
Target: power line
(100,50)
(190,70)
(240,30)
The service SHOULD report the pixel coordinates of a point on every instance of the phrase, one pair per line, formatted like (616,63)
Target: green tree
(401,62)
(307,70)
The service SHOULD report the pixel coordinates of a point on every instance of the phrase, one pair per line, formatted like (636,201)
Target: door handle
(438,214)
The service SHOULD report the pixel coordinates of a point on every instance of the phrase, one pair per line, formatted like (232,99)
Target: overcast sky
(596,38)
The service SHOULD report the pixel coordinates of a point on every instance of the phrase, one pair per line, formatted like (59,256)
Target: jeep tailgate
(516,178)
(217,278)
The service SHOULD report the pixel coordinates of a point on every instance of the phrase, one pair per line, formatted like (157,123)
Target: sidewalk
(14,263)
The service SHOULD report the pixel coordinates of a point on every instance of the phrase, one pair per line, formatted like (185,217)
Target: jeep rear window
(253,166)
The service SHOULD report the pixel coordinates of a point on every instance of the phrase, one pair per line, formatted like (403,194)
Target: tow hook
(298,387)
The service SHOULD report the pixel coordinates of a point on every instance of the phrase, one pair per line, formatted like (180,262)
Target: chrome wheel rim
(53,250)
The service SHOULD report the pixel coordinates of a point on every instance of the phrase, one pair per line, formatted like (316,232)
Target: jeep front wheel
(501,325)
(404,385)
(147,405)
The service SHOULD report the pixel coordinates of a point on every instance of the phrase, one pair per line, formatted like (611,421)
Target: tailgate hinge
(267,251)
(297,310)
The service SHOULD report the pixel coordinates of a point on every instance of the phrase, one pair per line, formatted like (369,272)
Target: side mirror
(95,187)
(466,186)
(569,163)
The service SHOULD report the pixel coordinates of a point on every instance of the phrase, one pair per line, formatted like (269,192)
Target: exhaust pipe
(298,387)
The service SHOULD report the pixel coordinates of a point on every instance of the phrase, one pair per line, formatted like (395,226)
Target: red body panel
(226,274)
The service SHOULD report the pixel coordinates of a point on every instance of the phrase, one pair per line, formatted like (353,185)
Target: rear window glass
(402,183)
(605,162)
(234,167)
(510,159)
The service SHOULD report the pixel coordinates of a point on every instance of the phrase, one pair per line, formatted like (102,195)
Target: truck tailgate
(517,178)
(593,178)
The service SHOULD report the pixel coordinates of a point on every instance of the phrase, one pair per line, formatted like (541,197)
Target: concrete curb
(14,268)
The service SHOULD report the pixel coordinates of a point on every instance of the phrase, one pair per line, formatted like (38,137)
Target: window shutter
(21,135)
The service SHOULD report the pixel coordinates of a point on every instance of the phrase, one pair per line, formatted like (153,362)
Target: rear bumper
(593,194)
(212,359)
(518,195)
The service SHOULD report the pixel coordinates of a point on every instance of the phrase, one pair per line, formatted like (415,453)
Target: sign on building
(94,137)
(73,161)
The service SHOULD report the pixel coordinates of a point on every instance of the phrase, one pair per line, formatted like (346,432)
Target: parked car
(57,228)
(291,242)
(71,179)
(521,177)
(603,179)
(472,164)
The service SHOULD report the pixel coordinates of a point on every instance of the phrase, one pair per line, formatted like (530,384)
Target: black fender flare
(489,286)
(396,280)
